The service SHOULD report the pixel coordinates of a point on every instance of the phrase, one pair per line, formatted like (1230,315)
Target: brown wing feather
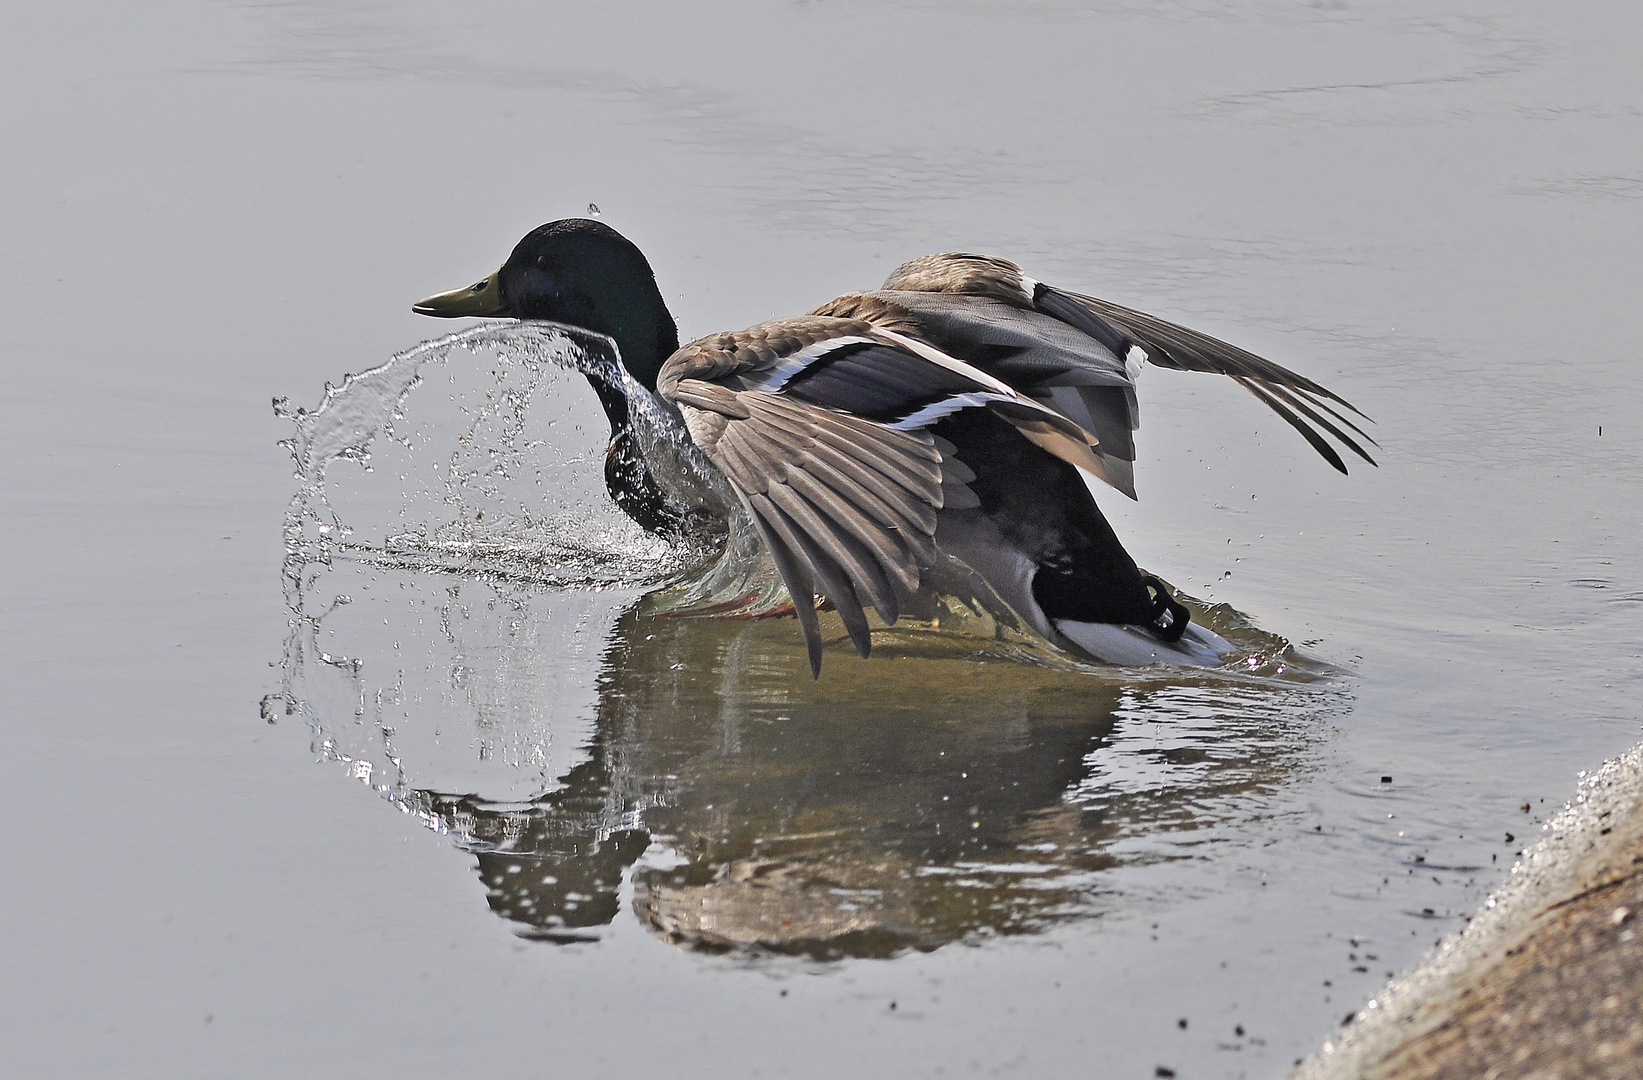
(1305,408)
(844,504)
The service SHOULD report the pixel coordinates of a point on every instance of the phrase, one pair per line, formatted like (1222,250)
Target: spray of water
(490,488)
(450,530)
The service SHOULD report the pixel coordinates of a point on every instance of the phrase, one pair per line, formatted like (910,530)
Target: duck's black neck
(645,335)
(637,319)
(644,340)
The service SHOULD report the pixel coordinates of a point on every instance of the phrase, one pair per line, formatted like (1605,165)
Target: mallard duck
(948,414)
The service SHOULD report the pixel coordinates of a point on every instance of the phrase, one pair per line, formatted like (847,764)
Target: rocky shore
(1546,982)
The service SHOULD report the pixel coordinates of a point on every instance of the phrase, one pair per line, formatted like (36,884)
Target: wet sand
(1544,981)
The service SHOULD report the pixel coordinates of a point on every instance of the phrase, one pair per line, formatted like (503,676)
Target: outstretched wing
(821,426)
(1304,404)
(1134,336)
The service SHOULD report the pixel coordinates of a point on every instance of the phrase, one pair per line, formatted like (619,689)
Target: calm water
(511,815)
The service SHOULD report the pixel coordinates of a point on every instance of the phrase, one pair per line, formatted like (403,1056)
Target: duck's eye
(542,262)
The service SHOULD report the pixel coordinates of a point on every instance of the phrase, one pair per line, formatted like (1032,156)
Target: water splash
(451,552)
(501,477)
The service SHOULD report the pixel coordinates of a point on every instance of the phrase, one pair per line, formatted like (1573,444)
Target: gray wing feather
(864,549)
(855,443)
(794,571)
(878,491)
(857,568)
(956,496)
(1171,346)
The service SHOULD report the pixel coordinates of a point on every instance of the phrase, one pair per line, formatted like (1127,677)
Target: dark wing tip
(1318,442)
(1297,399)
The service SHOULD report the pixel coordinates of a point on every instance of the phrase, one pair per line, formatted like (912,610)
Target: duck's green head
(580,272)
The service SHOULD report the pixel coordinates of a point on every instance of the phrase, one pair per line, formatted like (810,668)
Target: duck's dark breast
(635,491)
(1041,507)
(632,486)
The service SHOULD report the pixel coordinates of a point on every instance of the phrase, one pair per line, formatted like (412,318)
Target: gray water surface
(1435,210)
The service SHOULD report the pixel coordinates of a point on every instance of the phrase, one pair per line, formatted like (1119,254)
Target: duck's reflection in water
(907,801)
